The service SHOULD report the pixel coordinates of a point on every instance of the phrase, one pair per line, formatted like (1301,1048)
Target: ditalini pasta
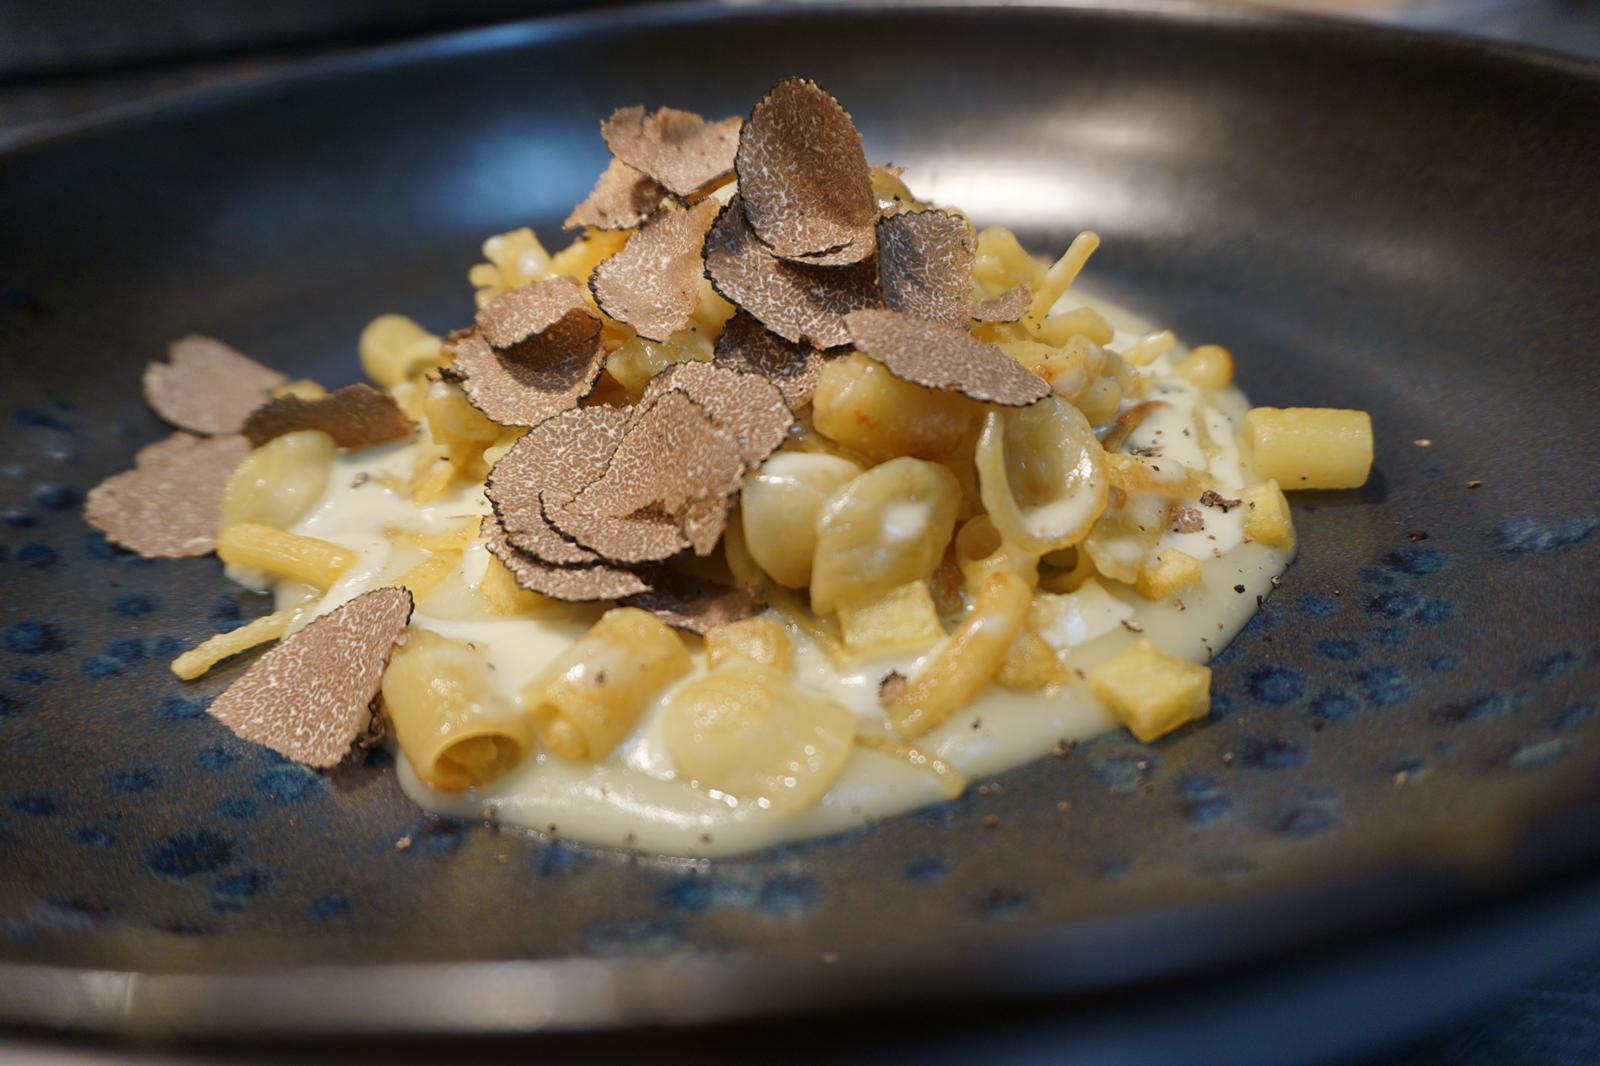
(809,517)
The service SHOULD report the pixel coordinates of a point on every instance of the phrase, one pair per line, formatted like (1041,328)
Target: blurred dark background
(66,64)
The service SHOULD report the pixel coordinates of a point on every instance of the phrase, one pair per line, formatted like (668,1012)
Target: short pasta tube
(745,731)
(592,694)
(394,350)
(971,657)
(305,559)
(455,731)
(1310,447)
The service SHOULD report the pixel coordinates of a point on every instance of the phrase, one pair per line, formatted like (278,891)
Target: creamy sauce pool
(632,799)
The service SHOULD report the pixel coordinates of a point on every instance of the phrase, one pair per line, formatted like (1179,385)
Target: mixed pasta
(917,584)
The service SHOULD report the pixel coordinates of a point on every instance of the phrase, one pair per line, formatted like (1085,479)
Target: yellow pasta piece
(454,422)
(1150,347)
(302,389)
(1042,474)
(1266,517)
(426,575)
(779,507)
(515,259)
(305,559)
(1209,366)
(887,527)
(1168,574)
(451,540)
(745,732)
(507,597)
(968,661)
(455,731)
(1311,447)
(950,779)
(593,693)
(1085,322)
(757,640)
(1060,277)
(980,553)
(637,360)
(1151,692)
(902,619)
(1156,477)
(394,350)
(578,259)
(1001,262)
(198,661)
(862,406)
(278,482)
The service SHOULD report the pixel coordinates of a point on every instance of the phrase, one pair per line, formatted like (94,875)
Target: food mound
(778,501)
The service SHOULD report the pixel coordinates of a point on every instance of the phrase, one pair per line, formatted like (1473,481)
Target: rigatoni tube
(455,731)
(587,699)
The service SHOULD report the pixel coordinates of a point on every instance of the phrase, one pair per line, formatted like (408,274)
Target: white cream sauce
(632,799)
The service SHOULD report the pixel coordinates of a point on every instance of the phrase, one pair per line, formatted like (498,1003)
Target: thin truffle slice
(747,346)
(687,601)
(1009,306)
(536,352)
(925,265)
(556,459)
(621,199)
(653,283)
(748,407)
(208,387)
(679,149)
(674,461)
(356,416)
(310,698)
(167,506)
(798,303)
(804,178)
(944,357)
(577,584)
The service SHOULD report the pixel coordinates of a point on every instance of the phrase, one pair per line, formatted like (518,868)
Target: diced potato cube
(1168,574)
(756,640)
(1209,366)
(1311,447)
(1151,692)
(902,619)
(1266,515)
(1031,665)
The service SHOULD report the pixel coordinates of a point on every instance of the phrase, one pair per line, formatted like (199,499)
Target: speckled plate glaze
(1367,219)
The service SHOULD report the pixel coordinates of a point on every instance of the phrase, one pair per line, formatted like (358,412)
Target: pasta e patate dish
(776,502)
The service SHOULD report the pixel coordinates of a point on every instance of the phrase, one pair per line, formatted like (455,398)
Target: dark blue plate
(1368,219)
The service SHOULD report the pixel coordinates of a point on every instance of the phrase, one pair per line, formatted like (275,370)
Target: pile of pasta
(766,397)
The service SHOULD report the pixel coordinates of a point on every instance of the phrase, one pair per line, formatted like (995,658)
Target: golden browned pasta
(455,731)
(1042,474)
(593,693)
(862,406)
(758,640)
(971,657)
(305,559)
(1311,447)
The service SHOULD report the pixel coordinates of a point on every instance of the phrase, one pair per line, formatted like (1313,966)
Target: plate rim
(579,994)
